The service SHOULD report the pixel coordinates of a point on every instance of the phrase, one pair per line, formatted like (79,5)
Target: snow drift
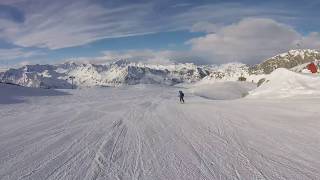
(222,90)
(284,83)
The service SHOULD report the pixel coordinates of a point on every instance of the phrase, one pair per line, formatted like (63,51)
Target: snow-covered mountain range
(123,72)
(112,74)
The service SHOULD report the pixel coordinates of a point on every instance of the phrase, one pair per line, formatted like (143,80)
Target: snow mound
(284,83)
(222,90)
(10,93)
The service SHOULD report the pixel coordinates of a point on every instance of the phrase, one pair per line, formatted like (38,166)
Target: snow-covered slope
(144,133)
(287,60)
(285,83)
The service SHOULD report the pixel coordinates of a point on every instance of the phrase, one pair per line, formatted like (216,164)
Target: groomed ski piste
(225,130)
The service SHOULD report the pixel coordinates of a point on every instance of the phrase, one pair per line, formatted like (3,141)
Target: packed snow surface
(142,132)
(285,83)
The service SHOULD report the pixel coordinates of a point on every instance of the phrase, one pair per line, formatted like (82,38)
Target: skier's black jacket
(181,94)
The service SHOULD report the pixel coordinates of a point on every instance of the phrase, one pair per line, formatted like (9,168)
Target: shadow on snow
(12,94)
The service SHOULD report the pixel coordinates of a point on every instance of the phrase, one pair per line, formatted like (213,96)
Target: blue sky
(202,31)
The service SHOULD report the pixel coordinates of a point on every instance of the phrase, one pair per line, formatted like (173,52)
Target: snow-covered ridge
(297,52)
(287,60)
(113,74)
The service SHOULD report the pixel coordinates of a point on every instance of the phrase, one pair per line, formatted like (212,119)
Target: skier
(181,95)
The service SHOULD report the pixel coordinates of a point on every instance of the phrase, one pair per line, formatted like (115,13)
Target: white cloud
(311,41)
(250,41)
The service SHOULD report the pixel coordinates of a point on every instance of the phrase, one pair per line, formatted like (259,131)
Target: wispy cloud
(234,31)
(60,24)
(11,13)
(14,53)
(181,5)
(205,26)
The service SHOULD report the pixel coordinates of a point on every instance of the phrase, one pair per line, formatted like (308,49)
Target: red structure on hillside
(312,67)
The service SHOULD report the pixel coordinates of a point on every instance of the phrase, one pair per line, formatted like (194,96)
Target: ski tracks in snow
(146,134)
